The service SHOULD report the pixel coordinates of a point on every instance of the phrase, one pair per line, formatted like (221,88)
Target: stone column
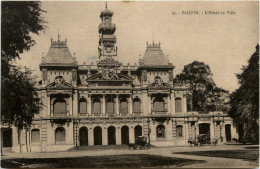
(222,131)
(130,105)
(131,135)
(117,105)
(149,104)
(172,103)
(212,129)
(184,110)
(71,105)
(89,105)
(104,136)
(189,125)
(90,136)
(168,104)
(186,124)
(75,104)
(103,105)
(118,135)
(49,110)
(196,130)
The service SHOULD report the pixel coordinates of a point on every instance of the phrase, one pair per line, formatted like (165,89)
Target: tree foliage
(19,98)
(19,21)
(203,94)
(245,100)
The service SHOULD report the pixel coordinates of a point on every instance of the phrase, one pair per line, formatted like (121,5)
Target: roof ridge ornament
(58,35)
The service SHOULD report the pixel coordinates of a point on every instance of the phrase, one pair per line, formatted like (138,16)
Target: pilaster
(117,105)
(172,103)
(89,105)
(130,105)
(103,105)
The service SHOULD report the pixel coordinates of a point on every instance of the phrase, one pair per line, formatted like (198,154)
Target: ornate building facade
(109,103)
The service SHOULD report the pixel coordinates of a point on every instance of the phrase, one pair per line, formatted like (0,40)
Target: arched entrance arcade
(97,136)
(111,135)
(125,135)
(83,136)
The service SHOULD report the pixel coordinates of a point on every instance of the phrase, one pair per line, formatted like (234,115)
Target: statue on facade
(59,81)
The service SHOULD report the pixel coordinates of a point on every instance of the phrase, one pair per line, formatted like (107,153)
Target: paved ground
(225,156)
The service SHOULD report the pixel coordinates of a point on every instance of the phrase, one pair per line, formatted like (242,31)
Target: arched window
(158,104)
(123,106)
(96,106)
(110,106)
(179,130)
(35,135)
(178,105)
(60,136)
(82,106)
(160,131)
(137,105)
(59,107)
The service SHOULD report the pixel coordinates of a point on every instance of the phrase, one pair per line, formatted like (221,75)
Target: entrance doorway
(6,135)
(97,136)
(111,133)
(204,128)
(228,132)
(125,135)
(83,136)
(240,132)
(138,131)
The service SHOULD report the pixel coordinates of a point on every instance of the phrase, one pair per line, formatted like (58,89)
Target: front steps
(162,143)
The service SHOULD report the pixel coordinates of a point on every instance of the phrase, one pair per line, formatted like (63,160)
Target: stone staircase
(162,143)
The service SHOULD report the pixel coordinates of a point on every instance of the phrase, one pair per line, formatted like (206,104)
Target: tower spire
(107,44)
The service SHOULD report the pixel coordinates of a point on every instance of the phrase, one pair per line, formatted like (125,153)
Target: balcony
(165,111)
(137,113)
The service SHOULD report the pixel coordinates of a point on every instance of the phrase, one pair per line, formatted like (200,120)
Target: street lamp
(148,122)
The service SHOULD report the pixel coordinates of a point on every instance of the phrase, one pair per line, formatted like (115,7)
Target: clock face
(108,49)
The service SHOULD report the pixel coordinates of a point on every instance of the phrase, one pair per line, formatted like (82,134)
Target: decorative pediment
(158,83)
(109,76)
(59,83)
(161,85)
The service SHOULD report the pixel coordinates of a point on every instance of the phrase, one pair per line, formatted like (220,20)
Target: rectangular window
(179,131)
(35,135)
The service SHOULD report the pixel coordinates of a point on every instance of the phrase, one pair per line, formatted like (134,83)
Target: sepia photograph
(129,84)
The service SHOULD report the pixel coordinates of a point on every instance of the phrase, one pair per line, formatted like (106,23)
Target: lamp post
(148,122)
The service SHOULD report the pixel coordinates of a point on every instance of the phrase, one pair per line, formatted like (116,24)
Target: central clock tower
(107,40)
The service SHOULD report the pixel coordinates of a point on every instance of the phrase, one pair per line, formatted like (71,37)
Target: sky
(224,42)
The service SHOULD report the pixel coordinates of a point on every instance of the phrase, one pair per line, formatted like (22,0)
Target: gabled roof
(59,55)
(154,56)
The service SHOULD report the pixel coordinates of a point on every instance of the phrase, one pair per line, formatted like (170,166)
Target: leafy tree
(19,98)
(199,78)
(245,100)
(19,21)
(203,94)
(218,100)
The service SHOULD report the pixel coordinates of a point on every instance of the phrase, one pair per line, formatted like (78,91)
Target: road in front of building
(222,156)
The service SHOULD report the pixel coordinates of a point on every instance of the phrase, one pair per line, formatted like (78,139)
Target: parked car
(140,143)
